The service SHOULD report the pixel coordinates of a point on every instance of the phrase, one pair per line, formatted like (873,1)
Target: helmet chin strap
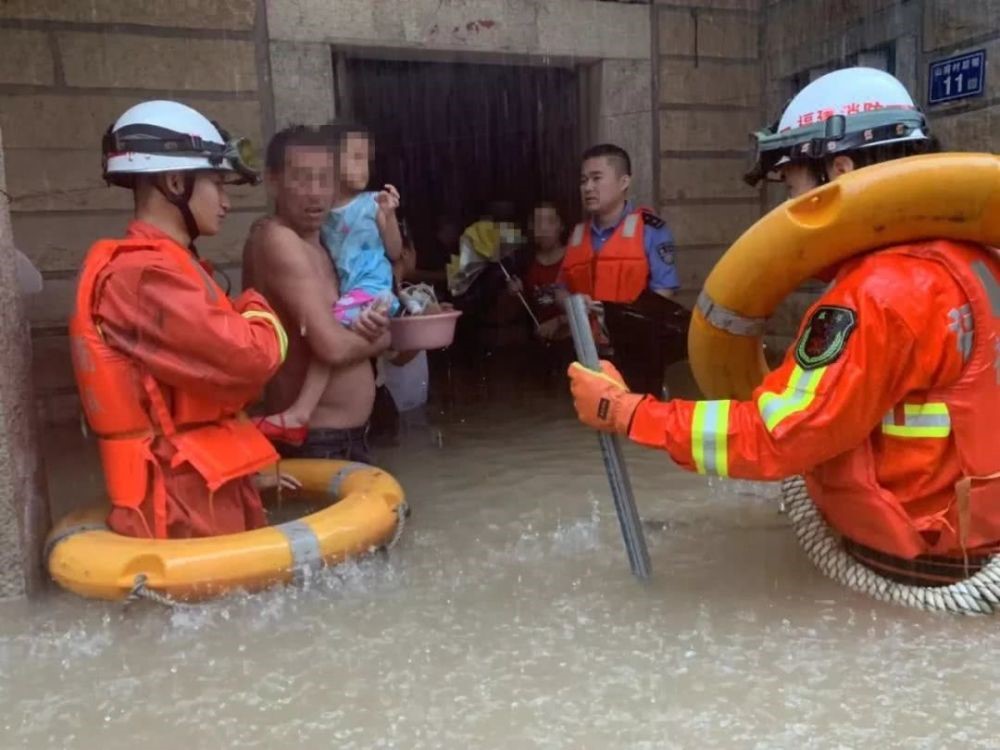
(182,203)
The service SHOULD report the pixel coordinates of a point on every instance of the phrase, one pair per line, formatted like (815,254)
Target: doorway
(453,136)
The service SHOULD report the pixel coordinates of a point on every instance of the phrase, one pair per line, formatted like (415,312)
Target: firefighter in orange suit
(623,257)
(887,402)
(164,360)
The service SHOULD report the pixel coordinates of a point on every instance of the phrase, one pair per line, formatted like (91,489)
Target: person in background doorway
(623,256)
(432,259)
(403,377)
(478,284)
(538,282)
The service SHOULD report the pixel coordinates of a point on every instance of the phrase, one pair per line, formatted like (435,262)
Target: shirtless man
(284,260)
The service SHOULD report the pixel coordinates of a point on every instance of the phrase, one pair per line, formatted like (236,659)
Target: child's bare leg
(313,387)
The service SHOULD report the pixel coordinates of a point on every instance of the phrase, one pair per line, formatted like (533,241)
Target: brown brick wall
(228,15)
(693,177)
(950,28)
(26,57)
(68,70)
(947,22)
(724,36)
(709,93)
(136,61)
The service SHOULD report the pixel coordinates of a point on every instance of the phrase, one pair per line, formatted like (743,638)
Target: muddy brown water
(507,618)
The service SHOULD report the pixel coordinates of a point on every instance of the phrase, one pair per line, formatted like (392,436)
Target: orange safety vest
(619,272)
(845,489)
(127,409)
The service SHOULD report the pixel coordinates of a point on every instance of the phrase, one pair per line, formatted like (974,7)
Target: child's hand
(382,303)
(388,199)
(371,324)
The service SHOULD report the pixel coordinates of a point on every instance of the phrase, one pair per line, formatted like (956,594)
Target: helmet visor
(235,155)
(834,135)
(765,159)
(242,158)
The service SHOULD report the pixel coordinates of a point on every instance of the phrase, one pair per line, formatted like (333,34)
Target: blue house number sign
(958,77)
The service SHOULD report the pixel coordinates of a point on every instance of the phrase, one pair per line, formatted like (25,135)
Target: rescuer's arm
(868,343)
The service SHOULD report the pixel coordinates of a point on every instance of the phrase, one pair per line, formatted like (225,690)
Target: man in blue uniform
(624,257)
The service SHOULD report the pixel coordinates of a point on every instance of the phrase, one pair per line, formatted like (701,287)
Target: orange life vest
(619,272)
(128,409)
(845,489)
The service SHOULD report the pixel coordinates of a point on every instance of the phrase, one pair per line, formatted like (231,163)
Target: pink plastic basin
(415,332)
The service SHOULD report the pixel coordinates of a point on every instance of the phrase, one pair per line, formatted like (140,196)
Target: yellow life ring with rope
(953,196)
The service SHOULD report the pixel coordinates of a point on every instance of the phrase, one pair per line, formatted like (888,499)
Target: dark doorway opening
(454,136)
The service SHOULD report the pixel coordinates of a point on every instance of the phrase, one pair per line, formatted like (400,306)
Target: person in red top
(540,285)
(164,360)
(886,401)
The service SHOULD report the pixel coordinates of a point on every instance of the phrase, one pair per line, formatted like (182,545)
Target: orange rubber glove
(601,399)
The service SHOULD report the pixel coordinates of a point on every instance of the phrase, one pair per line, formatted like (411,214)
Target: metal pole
(520,296)
(611,450)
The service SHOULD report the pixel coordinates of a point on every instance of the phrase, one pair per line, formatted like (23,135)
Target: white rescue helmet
(166,136)
(845,110)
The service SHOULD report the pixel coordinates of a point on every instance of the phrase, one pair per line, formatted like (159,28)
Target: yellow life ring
(933,196)
(86,558)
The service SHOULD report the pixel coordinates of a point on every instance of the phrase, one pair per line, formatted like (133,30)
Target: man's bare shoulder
(269,231)
(273,242)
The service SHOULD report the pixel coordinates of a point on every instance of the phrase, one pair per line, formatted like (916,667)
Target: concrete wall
(625,116)
(709,99)
(24,510)
(949,28)
(609,41)
(68,68)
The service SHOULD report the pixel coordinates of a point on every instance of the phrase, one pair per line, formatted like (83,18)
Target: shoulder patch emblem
(825,337)
(666,252)
(652,220)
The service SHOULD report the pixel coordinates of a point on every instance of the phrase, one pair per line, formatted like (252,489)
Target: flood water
(507,618)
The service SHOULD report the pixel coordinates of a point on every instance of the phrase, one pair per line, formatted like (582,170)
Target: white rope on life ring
(977,595)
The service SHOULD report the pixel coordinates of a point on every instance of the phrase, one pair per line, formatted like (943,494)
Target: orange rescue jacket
(128,409)
(965,411)
(889,412)
(619,272)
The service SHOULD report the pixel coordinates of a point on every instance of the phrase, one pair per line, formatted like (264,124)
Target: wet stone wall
(68,69)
